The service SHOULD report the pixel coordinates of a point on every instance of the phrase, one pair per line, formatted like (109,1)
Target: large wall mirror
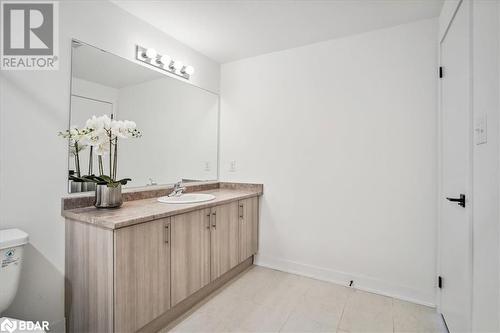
(178,121)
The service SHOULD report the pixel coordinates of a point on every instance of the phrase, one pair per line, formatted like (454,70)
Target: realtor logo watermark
(12,326)
(29,35)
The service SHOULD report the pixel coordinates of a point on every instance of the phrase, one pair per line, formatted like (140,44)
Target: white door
(455,244)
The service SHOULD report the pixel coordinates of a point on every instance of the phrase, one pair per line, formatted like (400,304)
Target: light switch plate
(481,130)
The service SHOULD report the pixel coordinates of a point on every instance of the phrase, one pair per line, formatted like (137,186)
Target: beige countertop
(138,211)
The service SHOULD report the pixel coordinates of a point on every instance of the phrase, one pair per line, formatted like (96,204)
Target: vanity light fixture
(150,54)
(163,62)
(188,69)
(178,65)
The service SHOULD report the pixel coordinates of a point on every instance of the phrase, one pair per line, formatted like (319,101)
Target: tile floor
(266,300)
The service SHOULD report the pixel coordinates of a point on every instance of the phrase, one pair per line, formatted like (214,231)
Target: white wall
(179,125)
(93,90)
(343,135)
(34,106)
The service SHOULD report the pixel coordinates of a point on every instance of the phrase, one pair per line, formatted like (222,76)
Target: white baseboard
(363,283)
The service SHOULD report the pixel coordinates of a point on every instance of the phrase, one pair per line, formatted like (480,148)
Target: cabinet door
(224,239)
(190,253)
(142,274)
(249,227)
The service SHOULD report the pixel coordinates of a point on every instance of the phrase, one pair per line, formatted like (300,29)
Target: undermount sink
(187,198)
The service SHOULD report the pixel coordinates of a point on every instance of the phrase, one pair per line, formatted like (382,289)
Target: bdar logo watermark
(29,35)
(8,326)
(12,326)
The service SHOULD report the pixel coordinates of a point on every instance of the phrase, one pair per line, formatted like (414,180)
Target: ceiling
(230,30)
(93,64)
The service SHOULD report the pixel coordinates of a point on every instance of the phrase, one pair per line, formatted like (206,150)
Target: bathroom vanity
(139,267)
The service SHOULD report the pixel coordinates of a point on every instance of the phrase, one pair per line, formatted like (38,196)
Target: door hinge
(440,72)
(440,282)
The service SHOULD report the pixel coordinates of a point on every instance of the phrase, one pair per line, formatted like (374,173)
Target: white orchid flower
(75,149)
(118,129)
(102,149)
(73,131)
(105,121)
(99,123)
(74,134)
(130,125)
(92,123)
(102,134)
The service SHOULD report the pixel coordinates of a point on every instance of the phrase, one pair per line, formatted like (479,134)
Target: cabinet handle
(167,233)
(208,224)
(241,211)
(214,224)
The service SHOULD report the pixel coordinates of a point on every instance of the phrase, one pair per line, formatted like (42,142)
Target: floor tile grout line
(343,309)
(392,315)
(284,323)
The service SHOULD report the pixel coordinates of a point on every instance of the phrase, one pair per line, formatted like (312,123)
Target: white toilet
(12,243)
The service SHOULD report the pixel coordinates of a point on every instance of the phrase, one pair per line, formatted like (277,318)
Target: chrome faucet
(151,182)
(178,189)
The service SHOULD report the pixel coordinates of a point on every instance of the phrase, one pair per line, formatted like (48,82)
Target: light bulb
(150,53)
(165,60)
(189,70)
(178,65)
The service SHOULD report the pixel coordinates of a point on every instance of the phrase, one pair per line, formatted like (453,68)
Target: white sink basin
(187,198)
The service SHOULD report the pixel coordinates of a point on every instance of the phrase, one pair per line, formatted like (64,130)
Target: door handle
(214,224)
(460,201)
(208,224)
(167,233)
(241,211)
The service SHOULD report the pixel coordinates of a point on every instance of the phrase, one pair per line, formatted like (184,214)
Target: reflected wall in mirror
(178,121)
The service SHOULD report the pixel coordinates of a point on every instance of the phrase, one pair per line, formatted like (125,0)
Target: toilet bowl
(12,242)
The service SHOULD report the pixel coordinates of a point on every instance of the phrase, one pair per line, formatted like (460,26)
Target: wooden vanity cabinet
(248,228)
(210,242)
(142,274)
(224,242)
(190,253)
(205,245)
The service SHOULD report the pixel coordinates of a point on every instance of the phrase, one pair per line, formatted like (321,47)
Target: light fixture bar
(163,62)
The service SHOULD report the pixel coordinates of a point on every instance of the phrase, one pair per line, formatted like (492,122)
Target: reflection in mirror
(178,121)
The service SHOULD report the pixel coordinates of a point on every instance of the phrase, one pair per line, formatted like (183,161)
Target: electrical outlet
(232,166)
(207,166)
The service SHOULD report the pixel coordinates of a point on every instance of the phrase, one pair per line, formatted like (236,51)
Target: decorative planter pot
(108,197)
(88,186)
(75,187)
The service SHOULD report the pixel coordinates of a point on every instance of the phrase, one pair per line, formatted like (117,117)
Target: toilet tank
(12,243)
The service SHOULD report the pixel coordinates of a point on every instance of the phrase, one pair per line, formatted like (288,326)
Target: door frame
(469,181)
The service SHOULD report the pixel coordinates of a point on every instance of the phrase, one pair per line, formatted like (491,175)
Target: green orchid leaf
(76,179)
(124,181)
(106,178)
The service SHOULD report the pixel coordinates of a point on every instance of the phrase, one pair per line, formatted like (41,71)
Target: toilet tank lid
(12,238)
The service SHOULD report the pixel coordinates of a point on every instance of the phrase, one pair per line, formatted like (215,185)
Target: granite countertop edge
(92,216)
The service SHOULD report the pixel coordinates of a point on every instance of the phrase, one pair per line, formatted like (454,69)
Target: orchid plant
(101,134)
